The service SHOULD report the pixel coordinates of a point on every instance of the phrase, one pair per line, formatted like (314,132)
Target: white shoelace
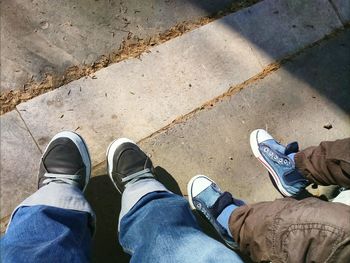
(66,178)
(146,173)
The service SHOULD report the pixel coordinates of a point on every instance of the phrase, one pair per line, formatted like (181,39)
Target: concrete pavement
(47,37)
(293,103)
(137,98)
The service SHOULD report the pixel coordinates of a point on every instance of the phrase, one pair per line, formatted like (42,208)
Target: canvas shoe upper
(65,160)
(279,161)
(127,163)
(206,197)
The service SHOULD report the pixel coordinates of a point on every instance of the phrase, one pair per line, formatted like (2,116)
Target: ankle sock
(223,207)
(224,217)
(291,156)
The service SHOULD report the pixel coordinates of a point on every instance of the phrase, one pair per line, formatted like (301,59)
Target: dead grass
(3,224)
(237,88)
(131,47)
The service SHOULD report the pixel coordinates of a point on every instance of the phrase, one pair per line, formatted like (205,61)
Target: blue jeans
(156,226)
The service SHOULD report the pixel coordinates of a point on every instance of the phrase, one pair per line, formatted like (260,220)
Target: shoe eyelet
(198,205)
(280,161)
(275,157)
(286,162)
(266,149)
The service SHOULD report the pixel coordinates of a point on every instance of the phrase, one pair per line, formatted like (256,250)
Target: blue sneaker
(279,161)
(206,197)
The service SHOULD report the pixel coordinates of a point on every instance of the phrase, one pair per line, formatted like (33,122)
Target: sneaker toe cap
(198,184)
(262,135)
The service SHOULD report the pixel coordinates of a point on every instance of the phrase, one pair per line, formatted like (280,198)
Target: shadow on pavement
(106,202)
(168,180)
(318,78)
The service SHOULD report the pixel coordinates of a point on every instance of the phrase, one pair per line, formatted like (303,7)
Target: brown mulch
(131,47)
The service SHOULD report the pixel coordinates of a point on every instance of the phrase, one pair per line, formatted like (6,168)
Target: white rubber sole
(202,185)
(113,146)
(82,147)
(255,148)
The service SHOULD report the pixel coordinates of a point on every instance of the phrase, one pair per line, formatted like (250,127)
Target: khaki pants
(309,230)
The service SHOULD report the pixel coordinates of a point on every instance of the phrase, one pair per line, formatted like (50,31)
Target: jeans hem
(134,192)
(59,195)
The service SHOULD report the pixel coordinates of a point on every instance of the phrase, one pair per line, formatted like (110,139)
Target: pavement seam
(28,130)
(237,88)
(233,90)
(337,12)
(230,92)
(127,50)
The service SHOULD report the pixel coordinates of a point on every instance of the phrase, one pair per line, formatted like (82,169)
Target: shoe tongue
(293,147)
(221,203)
(224,201)
(294,177)
(64,159)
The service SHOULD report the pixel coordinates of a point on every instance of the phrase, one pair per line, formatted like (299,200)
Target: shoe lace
(146,173)
(72,179)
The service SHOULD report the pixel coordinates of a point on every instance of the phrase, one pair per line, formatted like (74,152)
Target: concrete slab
(293,103)
(44,36)
(19,162)
(181,74)
(343,8)
(137,97)
(276,28)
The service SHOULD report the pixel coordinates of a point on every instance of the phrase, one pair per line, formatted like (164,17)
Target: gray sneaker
(127,163)
(66,160)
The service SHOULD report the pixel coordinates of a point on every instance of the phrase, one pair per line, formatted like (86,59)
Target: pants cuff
(59,195)
(134,192)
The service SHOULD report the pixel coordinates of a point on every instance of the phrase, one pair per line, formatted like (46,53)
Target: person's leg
(46,233)
(155,224)
(292,170)
(284,230)
(287,230)
(56,223)
(326,164)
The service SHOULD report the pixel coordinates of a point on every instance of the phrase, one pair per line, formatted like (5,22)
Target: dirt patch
(3,224)
(131,47)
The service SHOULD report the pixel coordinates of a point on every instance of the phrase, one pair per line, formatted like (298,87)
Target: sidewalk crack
(30,133)
(337,12)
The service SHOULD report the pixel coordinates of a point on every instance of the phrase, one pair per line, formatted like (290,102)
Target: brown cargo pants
(310,230)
